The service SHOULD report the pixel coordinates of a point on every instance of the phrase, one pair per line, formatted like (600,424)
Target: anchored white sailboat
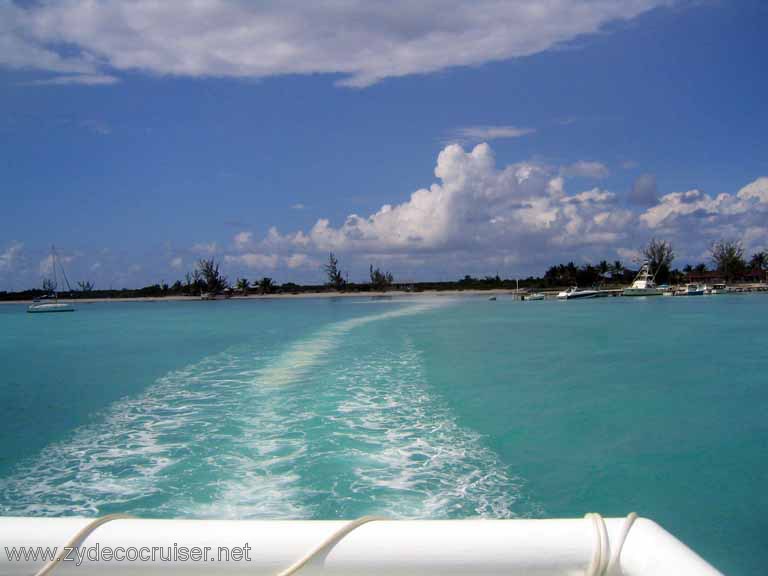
(644,284)
(50,303)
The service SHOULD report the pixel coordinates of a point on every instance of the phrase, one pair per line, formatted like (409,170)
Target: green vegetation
(266,286)
(213,281)
(660,255)
(759,261)
(242,286)
(727,257)
(380,280)
(49,285)
(334,274)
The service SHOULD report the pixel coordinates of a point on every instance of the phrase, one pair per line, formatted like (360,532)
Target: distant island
(206,281)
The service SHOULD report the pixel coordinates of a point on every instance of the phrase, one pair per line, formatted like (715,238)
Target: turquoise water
(444,408)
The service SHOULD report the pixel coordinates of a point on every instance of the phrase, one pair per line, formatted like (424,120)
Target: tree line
(727,260)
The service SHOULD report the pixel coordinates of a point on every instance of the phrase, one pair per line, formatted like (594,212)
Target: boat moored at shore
(51,302)
(40,305)
(692,290)
(574,293)
(643,284)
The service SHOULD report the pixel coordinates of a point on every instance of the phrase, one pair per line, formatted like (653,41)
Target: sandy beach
(300,295)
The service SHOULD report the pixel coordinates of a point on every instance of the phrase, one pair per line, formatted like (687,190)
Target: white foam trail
(297,360)
(159,454)
(413,459)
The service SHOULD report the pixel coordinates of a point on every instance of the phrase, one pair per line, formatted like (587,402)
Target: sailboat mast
(55,278)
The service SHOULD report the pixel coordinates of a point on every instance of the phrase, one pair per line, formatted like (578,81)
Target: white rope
(614,566)
(606,561)
(329,543)
(76,540)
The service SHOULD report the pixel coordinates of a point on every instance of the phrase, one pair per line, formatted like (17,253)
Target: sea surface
(439,407)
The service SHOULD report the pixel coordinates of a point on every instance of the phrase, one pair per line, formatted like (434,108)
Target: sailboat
(644,284)
(50,303)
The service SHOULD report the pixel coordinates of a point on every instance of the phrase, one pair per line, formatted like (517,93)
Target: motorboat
(574,293)
(534,296)
(719,288)
(643,284)
(693,290)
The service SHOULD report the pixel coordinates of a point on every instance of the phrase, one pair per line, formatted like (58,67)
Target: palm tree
(242,285)
(759,261)
(266,286)
(617,270)
(603,268)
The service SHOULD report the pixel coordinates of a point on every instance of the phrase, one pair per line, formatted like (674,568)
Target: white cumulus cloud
(253,260)
(508,214)
(242,240)
(480,216)
(363,42)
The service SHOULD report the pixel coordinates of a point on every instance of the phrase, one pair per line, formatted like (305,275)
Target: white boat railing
(376,548)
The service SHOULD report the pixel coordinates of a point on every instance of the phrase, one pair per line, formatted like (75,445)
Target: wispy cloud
(97,127)
(77,79)
(469,134)
(586,169)
(644,191)
(46,264)
(10,256)
(208,248)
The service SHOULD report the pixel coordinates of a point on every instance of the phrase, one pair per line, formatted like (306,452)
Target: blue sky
(498,137)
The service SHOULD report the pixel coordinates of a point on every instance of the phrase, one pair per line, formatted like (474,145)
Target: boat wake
(331,427)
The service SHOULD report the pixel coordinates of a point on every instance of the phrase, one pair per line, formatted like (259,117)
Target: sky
(433,139)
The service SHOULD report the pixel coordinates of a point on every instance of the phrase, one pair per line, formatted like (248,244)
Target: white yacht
(574,293)
(644,284)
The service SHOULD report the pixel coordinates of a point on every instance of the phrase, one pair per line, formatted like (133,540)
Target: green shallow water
(440,408)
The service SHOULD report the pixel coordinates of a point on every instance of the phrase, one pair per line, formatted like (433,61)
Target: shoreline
(740,289)
(298,296)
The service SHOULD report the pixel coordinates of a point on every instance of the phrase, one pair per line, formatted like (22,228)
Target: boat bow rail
(375,548)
